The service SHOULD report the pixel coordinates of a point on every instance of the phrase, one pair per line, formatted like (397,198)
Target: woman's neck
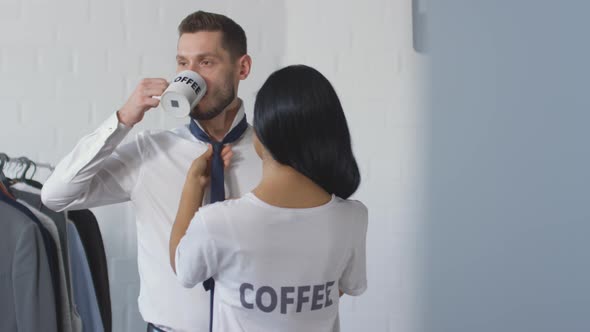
(283,186)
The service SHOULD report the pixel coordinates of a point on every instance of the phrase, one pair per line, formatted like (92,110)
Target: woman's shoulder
(223,207)
(352,210)
(351,204)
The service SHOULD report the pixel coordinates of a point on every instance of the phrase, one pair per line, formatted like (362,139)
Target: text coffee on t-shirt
(276,269)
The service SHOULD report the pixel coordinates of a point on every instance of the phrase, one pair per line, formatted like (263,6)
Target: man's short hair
(234,37)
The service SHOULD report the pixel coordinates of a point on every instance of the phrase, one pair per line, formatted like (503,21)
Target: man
(150,171)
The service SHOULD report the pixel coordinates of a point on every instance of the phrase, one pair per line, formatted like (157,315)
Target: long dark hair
(299,120)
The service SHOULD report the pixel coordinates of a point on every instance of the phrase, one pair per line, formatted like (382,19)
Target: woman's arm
(193,191)
(190,202)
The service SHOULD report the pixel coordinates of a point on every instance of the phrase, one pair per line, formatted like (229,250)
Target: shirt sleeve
(96,172)
(196,255)
(354,278)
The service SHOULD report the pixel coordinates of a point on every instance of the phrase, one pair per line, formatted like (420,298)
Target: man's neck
(217,127)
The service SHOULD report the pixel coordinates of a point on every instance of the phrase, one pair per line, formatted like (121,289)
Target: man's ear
(245,63)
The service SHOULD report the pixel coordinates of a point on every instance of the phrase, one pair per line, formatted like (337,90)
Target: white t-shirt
(276,269)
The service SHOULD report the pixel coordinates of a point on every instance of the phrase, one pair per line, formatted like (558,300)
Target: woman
(281,254)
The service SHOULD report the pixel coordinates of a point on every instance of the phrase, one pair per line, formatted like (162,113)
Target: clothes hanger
(26,164)
(4,181)
(3,160)
(29,181)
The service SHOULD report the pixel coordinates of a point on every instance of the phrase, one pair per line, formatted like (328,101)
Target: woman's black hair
(299,120)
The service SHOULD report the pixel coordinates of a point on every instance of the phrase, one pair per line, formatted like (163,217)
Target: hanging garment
(27,299)
(84,293)
(48,243)
(32,196)
(64,320)
(90,235)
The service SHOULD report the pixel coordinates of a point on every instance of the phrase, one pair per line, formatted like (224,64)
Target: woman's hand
(200,170)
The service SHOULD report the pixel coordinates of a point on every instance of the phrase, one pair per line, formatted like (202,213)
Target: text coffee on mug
(183,93)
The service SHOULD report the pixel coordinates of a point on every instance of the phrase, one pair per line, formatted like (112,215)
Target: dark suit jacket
(89,232)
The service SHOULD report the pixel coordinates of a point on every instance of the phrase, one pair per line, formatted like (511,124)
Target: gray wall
(508,173)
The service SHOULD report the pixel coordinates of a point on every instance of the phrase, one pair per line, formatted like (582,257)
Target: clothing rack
(4,159)
(39,165)
(72,285)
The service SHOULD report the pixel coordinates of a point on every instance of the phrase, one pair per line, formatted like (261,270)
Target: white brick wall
(65,65)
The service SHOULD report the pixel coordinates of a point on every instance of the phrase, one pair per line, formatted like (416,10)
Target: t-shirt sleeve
(354,278)
(196,254)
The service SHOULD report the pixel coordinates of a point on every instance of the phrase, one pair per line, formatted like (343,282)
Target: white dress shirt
(150,172)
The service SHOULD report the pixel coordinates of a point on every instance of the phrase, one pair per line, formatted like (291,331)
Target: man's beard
(221,100)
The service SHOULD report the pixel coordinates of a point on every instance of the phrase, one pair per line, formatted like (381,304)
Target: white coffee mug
(183,93)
